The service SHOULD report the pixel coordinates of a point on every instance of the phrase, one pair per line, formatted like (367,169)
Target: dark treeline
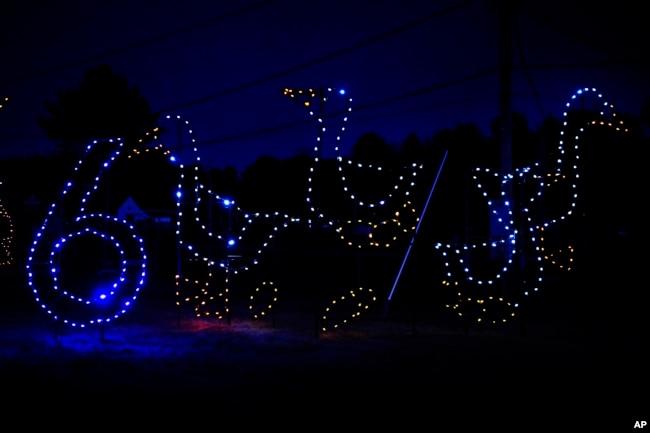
(610,184)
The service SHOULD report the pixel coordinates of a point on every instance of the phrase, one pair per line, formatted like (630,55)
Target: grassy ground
(405,364)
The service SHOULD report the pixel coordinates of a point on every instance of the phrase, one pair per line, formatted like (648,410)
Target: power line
(291,125)
(273,76)
(145,42)
(324,58)
(370,105)
(385,101)
(581,37)
(346,50)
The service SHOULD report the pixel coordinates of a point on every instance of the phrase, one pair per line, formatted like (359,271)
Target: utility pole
(505,16)
(505,203)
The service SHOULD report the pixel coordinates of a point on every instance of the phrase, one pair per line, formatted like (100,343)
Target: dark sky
(409,66)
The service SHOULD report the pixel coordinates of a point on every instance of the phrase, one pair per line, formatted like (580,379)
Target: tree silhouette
(371,148)
(103,107)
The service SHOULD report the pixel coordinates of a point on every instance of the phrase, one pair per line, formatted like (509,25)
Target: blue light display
(70,224)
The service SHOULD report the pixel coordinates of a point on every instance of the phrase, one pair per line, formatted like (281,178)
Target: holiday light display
(519,269)
(86,267)
(217,239)
(382,220)
(6,236)
(6,225)
(216,236)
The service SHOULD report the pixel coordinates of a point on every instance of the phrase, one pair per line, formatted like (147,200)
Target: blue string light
(80,305)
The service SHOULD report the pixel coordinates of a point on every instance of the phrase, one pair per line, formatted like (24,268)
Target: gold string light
(269,290)
(6,236)
(354,301)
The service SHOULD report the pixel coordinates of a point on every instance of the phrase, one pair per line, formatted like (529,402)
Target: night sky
(409,66)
